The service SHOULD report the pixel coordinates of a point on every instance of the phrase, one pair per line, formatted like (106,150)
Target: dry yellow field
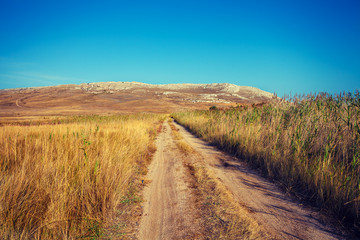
(61,180)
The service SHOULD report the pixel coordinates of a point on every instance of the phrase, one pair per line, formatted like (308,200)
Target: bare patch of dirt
(168,210)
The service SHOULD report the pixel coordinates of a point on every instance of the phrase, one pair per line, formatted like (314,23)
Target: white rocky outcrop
(231,89)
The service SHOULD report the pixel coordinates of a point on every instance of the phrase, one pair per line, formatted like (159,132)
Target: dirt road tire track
(169,208)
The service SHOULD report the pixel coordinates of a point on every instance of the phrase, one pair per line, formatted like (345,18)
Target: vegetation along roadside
(311,145)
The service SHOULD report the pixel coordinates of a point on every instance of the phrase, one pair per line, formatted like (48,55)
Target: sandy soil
(167,208)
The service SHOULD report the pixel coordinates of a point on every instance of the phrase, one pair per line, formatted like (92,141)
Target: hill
(123,97)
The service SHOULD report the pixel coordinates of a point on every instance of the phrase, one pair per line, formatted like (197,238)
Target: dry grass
(62,181)
(223,216)
(311,145)
(180,143)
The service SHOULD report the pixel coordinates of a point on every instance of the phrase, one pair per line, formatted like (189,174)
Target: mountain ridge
(120,97)
(225,87)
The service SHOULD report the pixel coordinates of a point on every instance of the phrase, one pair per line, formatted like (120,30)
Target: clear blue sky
(295,46)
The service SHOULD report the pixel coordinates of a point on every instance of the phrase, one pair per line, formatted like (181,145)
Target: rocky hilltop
(117,97)
(214,92)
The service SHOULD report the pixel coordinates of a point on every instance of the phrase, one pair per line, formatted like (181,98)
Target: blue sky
(278,46)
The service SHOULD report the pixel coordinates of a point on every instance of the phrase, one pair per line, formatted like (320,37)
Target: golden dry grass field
(62,180)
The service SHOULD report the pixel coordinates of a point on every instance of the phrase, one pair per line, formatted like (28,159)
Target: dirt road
(168,207)
(168,210)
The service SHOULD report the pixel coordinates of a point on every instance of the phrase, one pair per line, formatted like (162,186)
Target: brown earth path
(169,210)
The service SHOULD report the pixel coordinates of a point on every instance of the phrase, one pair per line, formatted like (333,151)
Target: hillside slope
(118,97)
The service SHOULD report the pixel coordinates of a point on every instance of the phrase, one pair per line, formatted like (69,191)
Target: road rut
(168,207)
(168,210)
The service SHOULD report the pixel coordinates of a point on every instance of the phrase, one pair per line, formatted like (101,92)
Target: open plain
(105,161)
